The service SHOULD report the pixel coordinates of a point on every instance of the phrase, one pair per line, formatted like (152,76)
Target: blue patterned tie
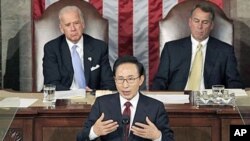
(78,69)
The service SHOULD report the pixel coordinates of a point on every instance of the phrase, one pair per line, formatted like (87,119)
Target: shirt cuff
(92,134)
(159,139)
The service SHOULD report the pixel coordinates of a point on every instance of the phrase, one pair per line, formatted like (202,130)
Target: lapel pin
(89,58)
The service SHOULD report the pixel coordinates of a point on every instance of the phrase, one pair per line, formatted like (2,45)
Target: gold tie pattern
(194,79)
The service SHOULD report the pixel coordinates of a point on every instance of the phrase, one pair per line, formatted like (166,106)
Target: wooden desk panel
(57,128)
(21,129)
(192,124)
(196,129)
(63,123)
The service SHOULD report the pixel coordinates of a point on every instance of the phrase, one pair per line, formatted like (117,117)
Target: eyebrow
(201,20)
(127,76)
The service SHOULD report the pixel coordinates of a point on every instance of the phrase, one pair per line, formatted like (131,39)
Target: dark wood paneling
(64,122)
(57,128)
(21,129)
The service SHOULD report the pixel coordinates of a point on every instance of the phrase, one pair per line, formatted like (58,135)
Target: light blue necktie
(78,69)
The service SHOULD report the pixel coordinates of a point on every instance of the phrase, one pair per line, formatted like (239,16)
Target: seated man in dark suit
(76,60)
(183,66)
(143,118)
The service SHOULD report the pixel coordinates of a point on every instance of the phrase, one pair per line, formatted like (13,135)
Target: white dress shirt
(79,50)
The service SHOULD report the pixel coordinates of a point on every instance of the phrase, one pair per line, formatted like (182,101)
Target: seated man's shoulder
(179,41)
(93,40)
(220,44)
(56,40)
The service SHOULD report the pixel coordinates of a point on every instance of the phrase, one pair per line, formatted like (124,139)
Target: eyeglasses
(129,80)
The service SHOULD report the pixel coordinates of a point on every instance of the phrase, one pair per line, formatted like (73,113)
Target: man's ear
(142,79)
(212,27)
(61,29)
(189,22)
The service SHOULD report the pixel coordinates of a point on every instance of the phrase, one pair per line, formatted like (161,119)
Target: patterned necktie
(127,113)
(196,71)
(78,69)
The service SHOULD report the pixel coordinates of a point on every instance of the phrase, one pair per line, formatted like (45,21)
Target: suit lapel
(211,56)
(88,58)
(66,57)
(116,107)
(187,49)
(117,114)
(140,114)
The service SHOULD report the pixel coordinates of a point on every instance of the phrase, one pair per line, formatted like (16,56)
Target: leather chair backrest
(175,25)
(47,28)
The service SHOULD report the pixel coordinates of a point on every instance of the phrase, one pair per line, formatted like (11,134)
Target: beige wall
(16,40)
(240,13)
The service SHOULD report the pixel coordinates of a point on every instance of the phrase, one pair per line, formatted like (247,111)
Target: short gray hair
(70,8)
(206,7)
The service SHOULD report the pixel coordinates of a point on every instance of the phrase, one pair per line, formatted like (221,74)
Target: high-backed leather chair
(175,25)
(47,28)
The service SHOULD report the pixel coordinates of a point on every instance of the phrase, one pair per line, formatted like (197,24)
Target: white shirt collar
(79,43)
(195,42)
(133,101)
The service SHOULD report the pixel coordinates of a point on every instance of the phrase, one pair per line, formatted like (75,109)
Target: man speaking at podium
(127,115)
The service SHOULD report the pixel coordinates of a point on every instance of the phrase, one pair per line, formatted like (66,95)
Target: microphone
(125,123)
(125,119)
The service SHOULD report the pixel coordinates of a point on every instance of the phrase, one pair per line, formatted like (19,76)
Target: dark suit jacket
(110,106)
(58,69)
(220,65)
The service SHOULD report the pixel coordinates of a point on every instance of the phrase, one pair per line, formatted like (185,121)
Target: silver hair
(70,8)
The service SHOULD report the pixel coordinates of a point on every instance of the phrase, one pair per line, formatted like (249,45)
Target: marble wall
(239,13)
(16,43)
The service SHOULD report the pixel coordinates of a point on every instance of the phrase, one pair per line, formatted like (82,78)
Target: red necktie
(127,113)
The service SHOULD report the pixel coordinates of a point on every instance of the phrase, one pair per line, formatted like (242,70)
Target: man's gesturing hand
(148,131)
(104,127)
